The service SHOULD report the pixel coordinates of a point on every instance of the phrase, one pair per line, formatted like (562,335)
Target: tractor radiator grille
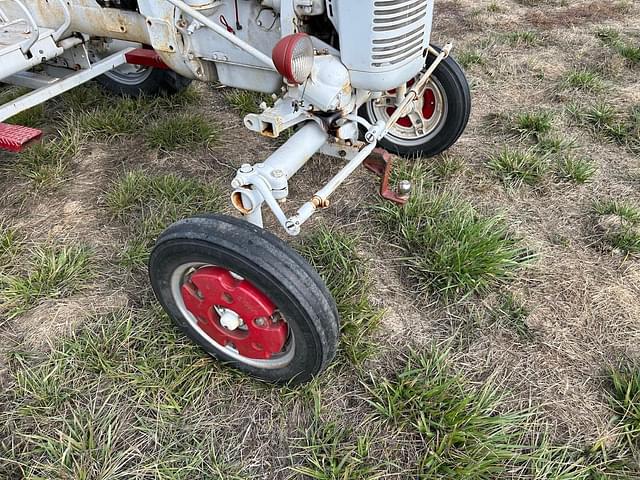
(398,31)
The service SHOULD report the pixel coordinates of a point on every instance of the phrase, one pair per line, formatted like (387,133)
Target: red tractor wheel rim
(424,119)
(211,292)
(428,108)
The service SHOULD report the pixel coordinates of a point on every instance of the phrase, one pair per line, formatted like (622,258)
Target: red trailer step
(14,137)
(146,58)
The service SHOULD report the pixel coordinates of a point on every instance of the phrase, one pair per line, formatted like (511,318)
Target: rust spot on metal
(320,202)
(380,162)
(236,201)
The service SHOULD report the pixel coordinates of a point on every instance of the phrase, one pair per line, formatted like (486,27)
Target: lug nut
(404,188)
(260,321)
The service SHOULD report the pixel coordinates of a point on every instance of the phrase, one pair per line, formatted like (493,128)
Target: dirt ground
(584,301)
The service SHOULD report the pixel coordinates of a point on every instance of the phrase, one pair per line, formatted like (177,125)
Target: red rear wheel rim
(210,292)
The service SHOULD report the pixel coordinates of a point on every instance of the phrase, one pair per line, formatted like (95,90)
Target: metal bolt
(230,320)
(260,321)
(246,168)
(277,173)
(404,188)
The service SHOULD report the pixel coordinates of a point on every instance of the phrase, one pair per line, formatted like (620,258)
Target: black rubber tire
(454,82)
(159,82)
(269,264)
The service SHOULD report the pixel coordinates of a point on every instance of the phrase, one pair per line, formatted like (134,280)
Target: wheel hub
(426,108)
(424,117)
(234,313)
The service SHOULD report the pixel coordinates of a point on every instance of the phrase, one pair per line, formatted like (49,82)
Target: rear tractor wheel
(246,297)
(136,80)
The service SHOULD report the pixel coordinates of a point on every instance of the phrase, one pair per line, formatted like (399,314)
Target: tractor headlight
(293,57)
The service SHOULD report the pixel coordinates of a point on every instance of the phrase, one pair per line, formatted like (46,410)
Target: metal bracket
(146,58)
(63,85)
(380,162)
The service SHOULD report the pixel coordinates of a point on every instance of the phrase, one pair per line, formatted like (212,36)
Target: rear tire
(443,114)
(206,268)
(134,81)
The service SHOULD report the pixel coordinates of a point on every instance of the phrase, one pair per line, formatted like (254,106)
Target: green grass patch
(121,116)
(533,123)
(617,223)
(458,427)
(149,203)
(8,245)
(470,57)
(612,38)
(121,398)
(451,249)
(552,145)
(608,35)
(583,79)
(84,98)
(630,52)
(548,461)
(34,117)
(52,272)
(516,167)
(448,166)
(607,121)
(334,255)
(245,101)
(47,164)
(183,131)
(621,208)
(184,98)
(625,400)
(601,115)
(521,38)
(575,169)
(330,454)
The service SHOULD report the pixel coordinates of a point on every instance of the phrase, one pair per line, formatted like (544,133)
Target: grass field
(490,328)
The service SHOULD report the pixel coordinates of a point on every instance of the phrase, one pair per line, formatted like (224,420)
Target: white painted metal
(13,60)
(43,94)
(291,156)
(383,43)
(30,80)
(229,319)
(32,29)
(206,21)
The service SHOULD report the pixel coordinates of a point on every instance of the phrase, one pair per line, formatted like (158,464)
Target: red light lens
(293,57)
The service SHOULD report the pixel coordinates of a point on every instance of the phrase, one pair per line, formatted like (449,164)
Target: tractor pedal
(13,138)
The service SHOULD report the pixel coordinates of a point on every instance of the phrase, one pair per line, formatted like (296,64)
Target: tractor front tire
(246,297)
(438,118)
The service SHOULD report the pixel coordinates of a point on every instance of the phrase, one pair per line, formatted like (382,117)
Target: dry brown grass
(578,15)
